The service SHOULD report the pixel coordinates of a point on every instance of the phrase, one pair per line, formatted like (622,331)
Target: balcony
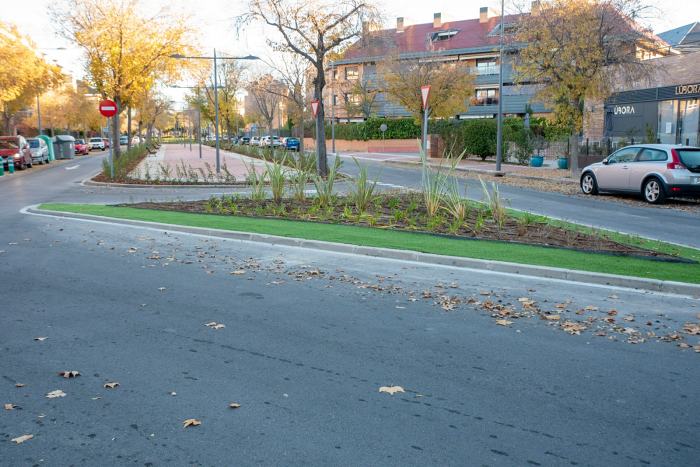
(477,101)
(484,70)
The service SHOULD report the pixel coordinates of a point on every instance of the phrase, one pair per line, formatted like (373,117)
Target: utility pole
(216,117)
(499,123)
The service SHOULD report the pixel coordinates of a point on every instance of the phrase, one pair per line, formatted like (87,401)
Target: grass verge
(480,249)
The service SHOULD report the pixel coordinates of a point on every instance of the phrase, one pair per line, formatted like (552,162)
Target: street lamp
(216,93)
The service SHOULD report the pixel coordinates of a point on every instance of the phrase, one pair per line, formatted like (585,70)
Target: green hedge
(403,128)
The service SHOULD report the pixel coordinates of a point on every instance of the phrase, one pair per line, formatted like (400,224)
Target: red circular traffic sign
(108,108)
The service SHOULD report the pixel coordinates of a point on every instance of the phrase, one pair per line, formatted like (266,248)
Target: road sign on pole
(314,106)
(425,94)
(108,108)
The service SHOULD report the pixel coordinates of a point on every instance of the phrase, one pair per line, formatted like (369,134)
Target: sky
(215,22)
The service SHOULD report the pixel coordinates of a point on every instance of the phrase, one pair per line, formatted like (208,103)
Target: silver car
(656,171)
(39,149)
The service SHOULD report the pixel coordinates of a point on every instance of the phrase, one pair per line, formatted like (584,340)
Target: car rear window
(95,140)
(8,144)
(690,157)
(79,141)
(33,143)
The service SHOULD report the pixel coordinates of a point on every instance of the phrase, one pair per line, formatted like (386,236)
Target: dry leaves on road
(40,339)
(573,327)
(111,385)
(55,394)
(20,385)
(11,406)
(551,317)
(215,325)
(22,439)
(69,373)
(191,422)
(503,322)
(692,328)
(238,272)
(234,405)
(391,389)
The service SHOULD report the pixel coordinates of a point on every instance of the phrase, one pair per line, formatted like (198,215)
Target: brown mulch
(406,211)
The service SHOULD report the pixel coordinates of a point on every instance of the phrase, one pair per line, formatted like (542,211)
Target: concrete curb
(90,182)
(651,285)
(493,172)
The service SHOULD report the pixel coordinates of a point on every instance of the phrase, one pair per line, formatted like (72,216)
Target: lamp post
(499,123)
(216,93)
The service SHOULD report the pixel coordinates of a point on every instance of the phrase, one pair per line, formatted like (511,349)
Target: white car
(40,151)
(255,141)
(96,143)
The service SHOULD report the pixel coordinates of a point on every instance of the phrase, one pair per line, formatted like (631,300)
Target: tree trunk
(301,140)
(321,154)
(128,128)
(116,150)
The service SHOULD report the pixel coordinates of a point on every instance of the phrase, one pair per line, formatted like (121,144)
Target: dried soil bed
(406,212)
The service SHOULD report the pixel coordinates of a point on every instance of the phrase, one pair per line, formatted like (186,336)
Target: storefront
(669,115)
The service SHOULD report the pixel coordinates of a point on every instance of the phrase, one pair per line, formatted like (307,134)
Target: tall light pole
(216,94)
(499,123)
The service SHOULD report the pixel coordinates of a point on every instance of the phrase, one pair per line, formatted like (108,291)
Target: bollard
(10,166)
(2,167)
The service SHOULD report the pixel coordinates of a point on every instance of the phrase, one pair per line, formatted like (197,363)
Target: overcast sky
(215,20)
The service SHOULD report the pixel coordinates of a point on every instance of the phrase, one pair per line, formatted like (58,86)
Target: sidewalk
(178,162)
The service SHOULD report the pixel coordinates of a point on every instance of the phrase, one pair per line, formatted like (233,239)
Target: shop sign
(624,110)
(683,89)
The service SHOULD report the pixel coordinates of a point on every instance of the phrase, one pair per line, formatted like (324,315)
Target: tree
(577,49)
(126,52)
(23,75)
(362,97)
(266,94)
(451,86)
(150,107)
(313,29)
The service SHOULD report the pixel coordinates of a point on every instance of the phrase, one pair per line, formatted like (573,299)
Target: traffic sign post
(108,108)
(425,95)
(315,104)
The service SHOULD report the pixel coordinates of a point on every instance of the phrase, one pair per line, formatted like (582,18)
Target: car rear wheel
(589,186)
(653,191)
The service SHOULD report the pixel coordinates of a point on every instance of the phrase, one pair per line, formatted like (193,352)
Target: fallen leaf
(234,405)
(19,385)
(683,345)
(40,339)
(614,297)
(590,308)
(22,439)
(215,325)
(162,289)
(191,422)
(10,406)
(503,322)
(173,393)
(391,389)
(612,312)
(560,306)
(628,318)
(69,374)
(111,385)
(552,317)
(573,327)
(55,394)
(238,272)
(692,328)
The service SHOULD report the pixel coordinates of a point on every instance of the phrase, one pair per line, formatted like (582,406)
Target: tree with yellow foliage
(23,74)
(126,52)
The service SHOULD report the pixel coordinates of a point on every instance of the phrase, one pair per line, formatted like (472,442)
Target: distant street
(309,339)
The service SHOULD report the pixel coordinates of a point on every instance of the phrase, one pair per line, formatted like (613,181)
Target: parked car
(135,140)
(243,140)
(39,150)
(292,144)
(123,140)
(97,143)
(255,141)
(106,141)
(81,148)
(15,148)
(655,171)
(264,141)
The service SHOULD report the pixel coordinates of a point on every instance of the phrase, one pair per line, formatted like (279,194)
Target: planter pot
(536,161)
(563,163)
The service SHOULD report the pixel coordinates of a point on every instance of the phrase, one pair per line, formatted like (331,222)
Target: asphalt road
(309,339)
(664,224)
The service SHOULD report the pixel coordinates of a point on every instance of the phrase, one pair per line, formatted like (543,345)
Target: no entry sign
(314,107)
(108,108)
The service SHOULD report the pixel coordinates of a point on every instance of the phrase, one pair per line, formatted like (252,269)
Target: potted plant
(536,160)
(539,143)
(563,162)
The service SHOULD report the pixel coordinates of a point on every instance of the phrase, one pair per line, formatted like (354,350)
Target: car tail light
(676,164)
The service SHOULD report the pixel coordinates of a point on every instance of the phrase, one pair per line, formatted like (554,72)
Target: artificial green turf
(355,235)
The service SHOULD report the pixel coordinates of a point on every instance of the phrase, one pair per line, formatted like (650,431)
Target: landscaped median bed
(402,221)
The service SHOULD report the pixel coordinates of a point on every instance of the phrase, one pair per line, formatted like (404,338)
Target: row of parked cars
(22,152)
(288,143)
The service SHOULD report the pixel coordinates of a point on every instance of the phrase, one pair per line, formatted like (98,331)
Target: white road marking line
(73,167)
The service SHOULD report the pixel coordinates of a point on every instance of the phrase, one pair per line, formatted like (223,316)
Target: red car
(17,149)
(106,140)
(81,147)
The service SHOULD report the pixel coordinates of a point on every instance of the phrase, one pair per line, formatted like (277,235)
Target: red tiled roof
(416,38)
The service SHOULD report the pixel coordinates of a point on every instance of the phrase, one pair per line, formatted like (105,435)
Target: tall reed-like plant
(324,187)
(495,203)
(298,179)
(362,189)
(256,182)
(456,203)
(277,175)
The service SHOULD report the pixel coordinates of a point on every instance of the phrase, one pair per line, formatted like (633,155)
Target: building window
(352,98)
(334,99)
(352,72)
(486,66)
(485,97)
(443,35)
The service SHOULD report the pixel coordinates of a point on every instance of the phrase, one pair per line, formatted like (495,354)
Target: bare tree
(313,29)
(266,95)
(291,71)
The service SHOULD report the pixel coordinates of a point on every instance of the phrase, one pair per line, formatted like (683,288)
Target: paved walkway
(178,162)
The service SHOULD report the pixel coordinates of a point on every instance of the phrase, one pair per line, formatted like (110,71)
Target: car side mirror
(605,161)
